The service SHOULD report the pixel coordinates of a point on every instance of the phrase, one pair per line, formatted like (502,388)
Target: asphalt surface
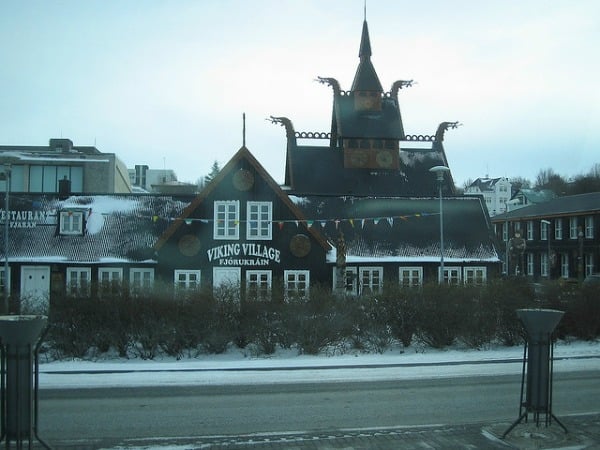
(583,432)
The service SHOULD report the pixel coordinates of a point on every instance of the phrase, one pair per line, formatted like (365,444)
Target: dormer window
(71,223)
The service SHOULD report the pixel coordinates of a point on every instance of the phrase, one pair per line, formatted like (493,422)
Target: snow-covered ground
(237,367)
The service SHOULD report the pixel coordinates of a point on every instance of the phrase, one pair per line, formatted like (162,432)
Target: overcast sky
(165,83)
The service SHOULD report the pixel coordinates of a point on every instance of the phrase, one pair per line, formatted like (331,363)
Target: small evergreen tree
(214,170)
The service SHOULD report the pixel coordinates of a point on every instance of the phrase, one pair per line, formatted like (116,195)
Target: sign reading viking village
(244,254)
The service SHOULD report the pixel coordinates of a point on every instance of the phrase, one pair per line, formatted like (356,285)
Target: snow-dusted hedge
(158,323)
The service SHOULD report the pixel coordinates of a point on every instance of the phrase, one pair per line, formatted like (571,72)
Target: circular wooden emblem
(300,245)
(189,245)
(243,180)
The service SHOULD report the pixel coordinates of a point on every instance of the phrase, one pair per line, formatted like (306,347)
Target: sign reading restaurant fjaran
(24,219)
(243,254)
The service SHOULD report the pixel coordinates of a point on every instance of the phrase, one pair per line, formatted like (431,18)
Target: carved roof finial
(286,123)
(335,85)
(439,134)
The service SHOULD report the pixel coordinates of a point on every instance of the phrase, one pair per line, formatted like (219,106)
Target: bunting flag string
(306,222)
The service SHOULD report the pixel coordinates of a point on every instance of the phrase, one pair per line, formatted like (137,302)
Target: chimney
(64,188)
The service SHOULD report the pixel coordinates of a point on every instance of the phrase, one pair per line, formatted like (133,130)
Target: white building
(79,169)
(495,191)
(144,177)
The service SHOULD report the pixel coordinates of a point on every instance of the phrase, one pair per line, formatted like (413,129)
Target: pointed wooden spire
(365,78)
(243,129)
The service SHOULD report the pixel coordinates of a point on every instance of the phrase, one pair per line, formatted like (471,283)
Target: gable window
(296,284)
(78,280)
(71,222)
(451,275)
(258,284)
(371,279)
(475,275)
(259,223)
(226,219)
(558,229)
(573,228)
(187,279)
(589,227)
(410,276)
(140,279)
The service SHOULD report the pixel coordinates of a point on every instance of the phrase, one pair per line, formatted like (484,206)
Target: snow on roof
(118,228)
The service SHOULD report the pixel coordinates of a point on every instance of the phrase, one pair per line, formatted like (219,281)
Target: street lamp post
(580,275)
(6,177)
(439,172)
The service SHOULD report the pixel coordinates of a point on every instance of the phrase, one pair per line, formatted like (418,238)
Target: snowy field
(238,367)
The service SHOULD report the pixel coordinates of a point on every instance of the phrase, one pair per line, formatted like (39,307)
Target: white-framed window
(349,282)
(260,220)
(3,279)
(529,235)
(258,284)
(558,229)
(110,278)
(475,275)
(529,263)
(296,284)
(451,275)
(589,263)
(226,219)
(141,279)
(410,276)
(572,227)
(78,280)
(544,228)
(71,222)
(544,267)
(187,279)
(589,227)
(371,279)
(564,265)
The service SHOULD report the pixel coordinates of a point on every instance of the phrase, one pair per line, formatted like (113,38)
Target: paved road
(110,416)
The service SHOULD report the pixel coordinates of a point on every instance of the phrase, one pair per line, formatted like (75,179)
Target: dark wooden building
(354,214)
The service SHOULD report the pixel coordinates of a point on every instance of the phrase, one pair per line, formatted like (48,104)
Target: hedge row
(207,322)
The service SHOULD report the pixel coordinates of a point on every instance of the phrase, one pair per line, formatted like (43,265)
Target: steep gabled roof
(378,229)
(535,196)
(118,228)
(485,184)
(381,124)
(312,170)
(560,206)
(242,154)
